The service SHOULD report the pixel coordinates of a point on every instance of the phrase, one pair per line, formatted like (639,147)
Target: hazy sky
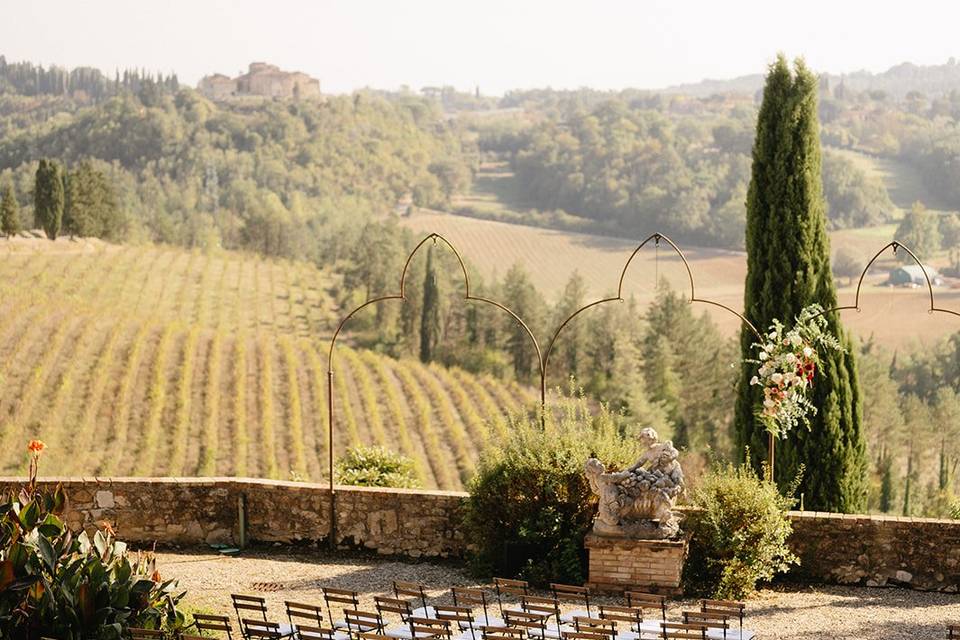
(495,44)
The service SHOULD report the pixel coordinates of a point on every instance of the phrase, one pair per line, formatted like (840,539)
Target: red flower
(36,447)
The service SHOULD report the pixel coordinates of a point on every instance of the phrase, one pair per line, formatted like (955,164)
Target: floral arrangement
(788,361)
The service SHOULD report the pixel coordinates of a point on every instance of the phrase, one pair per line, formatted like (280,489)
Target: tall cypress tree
(48,198)
(788,268)
(9,212)
(430,318)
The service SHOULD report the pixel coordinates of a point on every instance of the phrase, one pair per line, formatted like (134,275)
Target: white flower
(764,355)
(795,339)
(768,403)
(790,358)
(754,380)
(807,352)
(773,335)
(777,378)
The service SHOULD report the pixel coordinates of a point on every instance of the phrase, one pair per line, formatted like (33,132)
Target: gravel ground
(791,612)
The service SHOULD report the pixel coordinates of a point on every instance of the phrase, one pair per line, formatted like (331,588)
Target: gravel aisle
(802,612)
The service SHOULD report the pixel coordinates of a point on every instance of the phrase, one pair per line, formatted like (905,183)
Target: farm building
(912,274)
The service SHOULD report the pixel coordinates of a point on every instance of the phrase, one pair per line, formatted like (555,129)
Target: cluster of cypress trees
(788,268)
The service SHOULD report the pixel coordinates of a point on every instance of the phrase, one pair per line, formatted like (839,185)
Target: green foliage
(9,212)
(687,365)
(48,198)
(854,199)
(56,584)
(430,322)
(788,268)
(920,232)
(739,533)
(530,503)
(292,178)
(91,208)
(376,467)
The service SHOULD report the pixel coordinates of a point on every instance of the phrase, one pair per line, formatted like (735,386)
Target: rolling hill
(895,317)
(158,361)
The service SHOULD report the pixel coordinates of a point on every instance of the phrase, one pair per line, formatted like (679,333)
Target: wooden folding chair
(413,590)
(300,613)
(598,626)
(502,633)
(632,616)
(307,632)
(217,624)
(257,606)
(953,631)
(399,607)
(732,608)
(146,634)
(256,629)
(711,621)
(534,624)
(506,587)
(461,617)
(647,601)
(681,631)
(572,594)
(360,622)
(545,605)
(583,635)
(429,629)
(473,598)
(340,597)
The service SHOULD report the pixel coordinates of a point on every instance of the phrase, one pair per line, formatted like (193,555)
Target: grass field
(144,360)
(895,317)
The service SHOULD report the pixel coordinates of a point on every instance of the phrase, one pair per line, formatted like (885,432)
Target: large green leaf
(47,554)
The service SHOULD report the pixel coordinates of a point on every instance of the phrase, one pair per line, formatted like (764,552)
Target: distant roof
(914,270)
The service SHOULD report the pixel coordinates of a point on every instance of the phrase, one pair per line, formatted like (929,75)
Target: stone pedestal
(619,564)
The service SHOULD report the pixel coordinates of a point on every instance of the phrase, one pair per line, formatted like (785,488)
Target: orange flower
(156,576)
(36,447)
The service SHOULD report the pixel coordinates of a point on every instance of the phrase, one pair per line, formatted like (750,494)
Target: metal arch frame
(895,245)
(468,297)
(656,237)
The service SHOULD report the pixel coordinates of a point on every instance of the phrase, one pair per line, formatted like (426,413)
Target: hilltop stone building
(261,79)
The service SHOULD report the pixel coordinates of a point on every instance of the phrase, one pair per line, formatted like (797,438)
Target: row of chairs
(514,613)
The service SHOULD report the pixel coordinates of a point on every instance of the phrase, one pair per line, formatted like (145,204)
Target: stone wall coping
(228,481)
(865,517)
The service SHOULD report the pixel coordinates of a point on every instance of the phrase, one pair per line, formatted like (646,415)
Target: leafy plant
(739,530)
(376,467)
(530,503)
(56,584)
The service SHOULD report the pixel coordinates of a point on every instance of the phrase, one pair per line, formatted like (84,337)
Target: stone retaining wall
(921,553)
(190,511)
(848,549)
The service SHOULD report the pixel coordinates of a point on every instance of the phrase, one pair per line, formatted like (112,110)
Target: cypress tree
(788,268)
(9,213)
(48,198)
(430,318)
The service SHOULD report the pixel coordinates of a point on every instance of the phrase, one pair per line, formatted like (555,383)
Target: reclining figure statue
(638,502)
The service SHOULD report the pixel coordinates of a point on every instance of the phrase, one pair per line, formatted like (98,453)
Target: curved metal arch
(468,297)
(895,245)
(656,237)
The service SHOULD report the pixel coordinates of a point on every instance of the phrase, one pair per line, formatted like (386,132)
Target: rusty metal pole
(771,455)
(333,493)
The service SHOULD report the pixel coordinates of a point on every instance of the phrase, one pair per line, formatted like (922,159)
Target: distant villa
(261,79)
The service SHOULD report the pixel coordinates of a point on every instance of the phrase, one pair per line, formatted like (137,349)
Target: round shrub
(376,467)
(738,533)
(530,503)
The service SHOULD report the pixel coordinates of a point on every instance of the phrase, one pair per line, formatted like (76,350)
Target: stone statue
(638,502)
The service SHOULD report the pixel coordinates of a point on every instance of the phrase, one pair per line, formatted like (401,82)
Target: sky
(491,44)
